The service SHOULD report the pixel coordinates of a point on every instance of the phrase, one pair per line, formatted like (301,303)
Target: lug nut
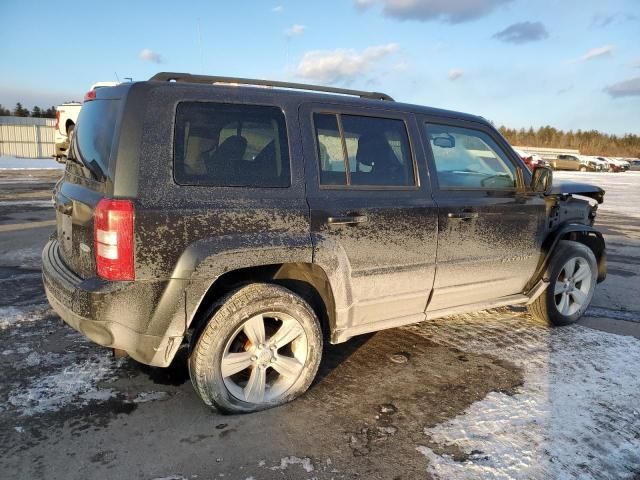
(254,358)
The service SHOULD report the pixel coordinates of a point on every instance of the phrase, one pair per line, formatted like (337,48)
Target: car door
(373,221)
(490,229)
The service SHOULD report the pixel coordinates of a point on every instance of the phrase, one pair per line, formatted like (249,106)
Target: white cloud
(452,11)
(295,30)
(604,51)
(364,4)
(149,55)
(341,65)
(277,9)
(627,88)
(455,74)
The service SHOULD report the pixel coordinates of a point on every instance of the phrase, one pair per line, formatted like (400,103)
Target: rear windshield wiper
(93,166)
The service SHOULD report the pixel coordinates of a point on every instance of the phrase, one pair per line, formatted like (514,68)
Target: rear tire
(572,275)
(583,169)
(260,348)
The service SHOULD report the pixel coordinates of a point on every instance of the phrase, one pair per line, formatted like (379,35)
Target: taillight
(90,95)
(113,235)
(57,119)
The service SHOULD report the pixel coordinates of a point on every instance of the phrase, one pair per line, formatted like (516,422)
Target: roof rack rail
(209,79)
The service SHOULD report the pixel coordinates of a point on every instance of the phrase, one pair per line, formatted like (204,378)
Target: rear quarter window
(231,145)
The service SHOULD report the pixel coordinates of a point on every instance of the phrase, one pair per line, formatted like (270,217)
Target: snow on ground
(74,385)
(16,163)
(576,416)
(62,379)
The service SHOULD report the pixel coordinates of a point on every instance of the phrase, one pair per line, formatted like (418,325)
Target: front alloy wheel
(572,276)
(572,286)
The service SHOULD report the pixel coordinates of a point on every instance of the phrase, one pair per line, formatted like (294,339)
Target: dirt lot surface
(486,395)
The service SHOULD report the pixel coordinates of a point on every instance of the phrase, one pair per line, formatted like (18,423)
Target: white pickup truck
(66,119)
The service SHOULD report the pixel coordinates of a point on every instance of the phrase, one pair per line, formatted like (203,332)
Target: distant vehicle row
(581,163)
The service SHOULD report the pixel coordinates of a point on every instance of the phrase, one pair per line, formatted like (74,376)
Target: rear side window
(231,145)
(363,151)
(94,132)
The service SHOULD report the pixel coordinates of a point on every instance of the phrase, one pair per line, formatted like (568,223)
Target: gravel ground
(486,395)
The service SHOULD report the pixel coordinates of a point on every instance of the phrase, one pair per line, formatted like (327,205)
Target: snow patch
(305,463)
(75,384)
(15,163)
(565,421)
(144,397)
(14,316)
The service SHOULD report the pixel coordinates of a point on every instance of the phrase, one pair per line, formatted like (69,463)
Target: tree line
(20,111)
(589,142)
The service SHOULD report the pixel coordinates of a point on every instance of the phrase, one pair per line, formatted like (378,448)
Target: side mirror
(542,180)
(444,142)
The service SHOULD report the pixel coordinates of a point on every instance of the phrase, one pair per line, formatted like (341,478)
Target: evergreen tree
(36,112)
(20,111)
(4,112)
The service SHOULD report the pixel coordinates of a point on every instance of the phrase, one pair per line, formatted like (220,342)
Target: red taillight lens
(57,119)
(90,95)
(113,235)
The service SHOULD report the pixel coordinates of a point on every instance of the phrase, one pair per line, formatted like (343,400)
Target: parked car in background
(615,164)
(634,164)
(576,163)
(66,119)
(532,160)
(604,166)
(248,225)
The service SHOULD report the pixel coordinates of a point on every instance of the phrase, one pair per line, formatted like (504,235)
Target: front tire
(261,348)
(572,275)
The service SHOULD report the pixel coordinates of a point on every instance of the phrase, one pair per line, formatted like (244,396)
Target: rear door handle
(348,220)
(462,215)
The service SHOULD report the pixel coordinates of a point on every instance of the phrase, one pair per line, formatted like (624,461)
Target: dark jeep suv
(248,224)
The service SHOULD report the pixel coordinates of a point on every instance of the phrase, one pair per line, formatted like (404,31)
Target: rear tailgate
(87,179)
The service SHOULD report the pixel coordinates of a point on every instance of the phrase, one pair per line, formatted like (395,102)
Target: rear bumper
(131,316)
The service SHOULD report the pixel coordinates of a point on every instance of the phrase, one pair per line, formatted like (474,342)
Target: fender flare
(206,260)
(586,234)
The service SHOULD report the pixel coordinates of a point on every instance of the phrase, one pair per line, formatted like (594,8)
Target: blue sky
(570,64)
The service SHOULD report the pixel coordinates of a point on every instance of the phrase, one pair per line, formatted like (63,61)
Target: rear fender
(204,261)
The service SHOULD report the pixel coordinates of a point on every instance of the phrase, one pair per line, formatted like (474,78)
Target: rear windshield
(231,145)
(95,131)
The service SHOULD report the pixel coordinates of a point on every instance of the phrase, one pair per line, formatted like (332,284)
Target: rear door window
(231,145)
(356,150)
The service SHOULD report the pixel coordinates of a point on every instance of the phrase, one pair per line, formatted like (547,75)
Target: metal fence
(27,137)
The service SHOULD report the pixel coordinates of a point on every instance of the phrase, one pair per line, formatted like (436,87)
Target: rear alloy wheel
(261,348)
(572,274)
(583,169)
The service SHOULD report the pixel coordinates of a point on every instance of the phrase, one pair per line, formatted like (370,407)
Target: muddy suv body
(249,224)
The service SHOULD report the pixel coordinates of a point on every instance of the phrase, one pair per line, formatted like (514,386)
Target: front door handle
(348,220)
(462,215)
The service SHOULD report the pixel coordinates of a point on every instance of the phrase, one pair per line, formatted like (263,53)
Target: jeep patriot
(249,221)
